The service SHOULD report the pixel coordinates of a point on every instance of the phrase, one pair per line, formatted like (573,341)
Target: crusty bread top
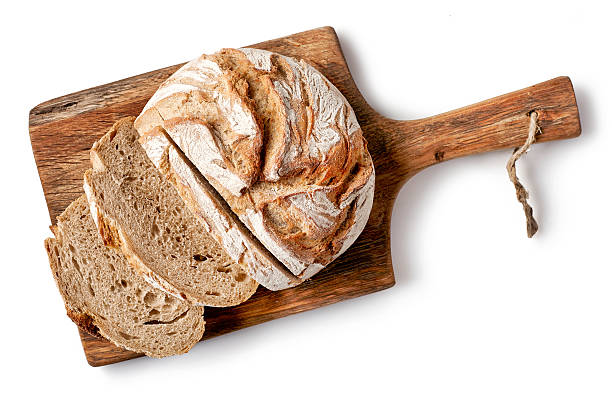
(306,190)
(103,295)
(198,89)
(137,210)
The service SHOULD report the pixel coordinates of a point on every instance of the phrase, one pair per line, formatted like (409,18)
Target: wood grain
(62,130)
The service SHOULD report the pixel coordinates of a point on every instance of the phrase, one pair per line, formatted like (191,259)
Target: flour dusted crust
(199,91)
(287,153)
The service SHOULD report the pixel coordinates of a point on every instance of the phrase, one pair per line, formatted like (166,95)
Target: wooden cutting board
(63,129)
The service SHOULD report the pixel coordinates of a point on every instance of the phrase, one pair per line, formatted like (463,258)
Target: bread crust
(314,187)
(84,321)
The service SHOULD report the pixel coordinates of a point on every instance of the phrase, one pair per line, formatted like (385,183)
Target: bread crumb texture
(106,297)
(139,213)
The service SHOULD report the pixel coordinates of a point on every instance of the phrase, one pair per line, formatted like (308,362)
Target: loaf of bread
(140,213)
(104,296)
(245,167)
(278,142)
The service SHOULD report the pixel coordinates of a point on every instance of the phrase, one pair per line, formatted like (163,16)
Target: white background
(477,308)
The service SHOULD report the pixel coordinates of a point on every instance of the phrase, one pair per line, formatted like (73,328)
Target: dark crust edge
(84,322)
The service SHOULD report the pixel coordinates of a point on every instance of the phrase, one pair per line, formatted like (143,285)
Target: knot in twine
(521,193)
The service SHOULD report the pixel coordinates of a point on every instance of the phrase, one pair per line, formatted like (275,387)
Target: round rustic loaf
(278,142)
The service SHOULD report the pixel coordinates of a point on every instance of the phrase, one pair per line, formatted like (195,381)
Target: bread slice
(214,214)
(105,296)
(137,210)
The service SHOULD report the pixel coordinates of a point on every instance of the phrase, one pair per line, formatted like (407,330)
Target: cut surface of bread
(215,215)
(104,296)
(309,195)
(139,211)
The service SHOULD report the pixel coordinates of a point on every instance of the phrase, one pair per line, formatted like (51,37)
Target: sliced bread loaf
(214,213)
(310,194)
(137,210)
(105,296)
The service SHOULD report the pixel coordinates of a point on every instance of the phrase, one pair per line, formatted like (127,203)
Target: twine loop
(521,193)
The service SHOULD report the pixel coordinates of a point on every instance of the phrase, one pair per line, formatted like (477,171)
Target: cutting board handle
(497,123)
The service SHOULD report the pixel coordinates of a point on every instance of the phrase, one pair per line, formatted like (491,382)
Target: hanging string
(521,193)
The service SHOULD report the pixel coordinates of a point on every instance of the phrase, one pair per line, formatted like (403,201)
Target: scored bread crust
(313,188)
(199,88)
(106,298)
(121,169)
(215,216)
